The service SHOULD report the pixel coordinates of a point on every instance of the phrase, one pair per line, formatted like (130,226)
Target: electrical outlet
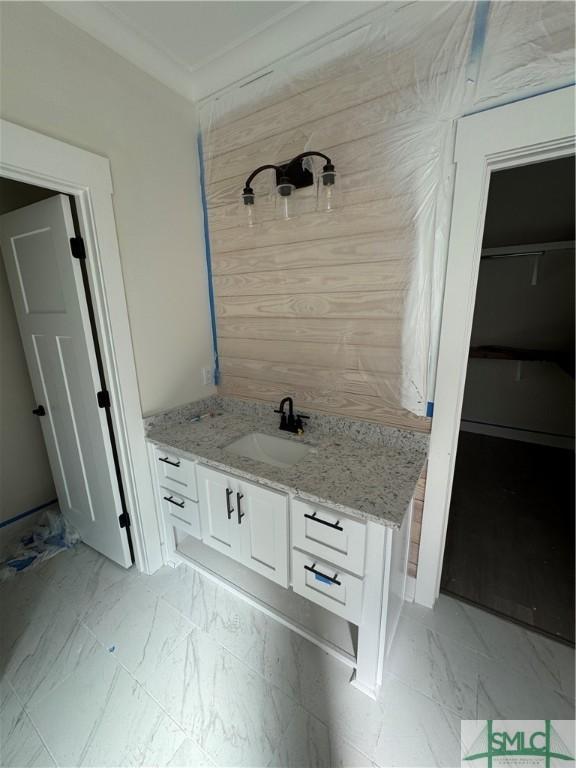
(206,376)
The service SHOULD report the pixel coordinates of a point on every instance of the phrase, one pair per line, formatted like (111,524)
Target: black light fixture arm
(284,170)
(247,188)
(302,155)
(328,171)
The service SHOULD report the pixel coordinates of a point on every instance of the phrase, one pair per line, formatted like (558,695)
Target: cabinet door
(263,526)
(217,495)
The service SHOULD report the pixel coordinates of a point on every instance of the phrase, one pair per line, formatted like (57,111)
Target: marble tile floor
(105,667)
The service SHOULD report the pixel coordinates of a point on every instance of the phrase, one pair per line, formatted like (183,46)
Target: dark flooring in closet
(510,540)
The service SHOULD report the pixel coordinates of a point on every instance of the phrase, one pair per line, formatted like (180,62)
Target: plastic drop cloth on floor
(51,535)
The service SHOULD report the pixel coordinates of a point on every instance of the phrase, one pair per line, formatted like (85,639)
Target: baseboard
(410,589)
(22,515)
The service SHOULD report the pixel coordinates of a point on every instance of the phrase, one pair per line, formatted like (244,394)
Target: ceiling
(196,32)
(198,47)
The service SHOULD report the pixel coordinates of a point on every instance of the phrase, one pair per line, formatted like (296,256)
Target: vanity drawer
(324,584)
(183,512)
(339,539)
(176,473)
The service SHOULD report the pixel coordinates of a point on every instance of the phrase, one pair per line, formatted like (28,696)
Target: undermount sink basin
(269,449)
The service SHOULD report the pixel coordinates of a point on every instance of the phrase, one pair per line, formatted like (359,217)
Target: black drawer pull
(336,525)
(323,577)
(229,509)
(239,497)
(176,503)
(166,460)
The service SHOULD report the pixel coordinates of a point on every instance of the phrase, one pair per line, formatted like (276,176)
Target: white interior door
(47,290)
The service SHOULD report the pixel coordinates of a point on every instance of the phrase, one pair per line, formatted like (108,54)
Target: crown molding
(277,38)
(309,23)
(116,33)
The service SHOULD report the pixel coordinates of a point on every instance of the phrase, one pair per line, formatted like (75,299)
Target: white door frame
(530,131)
(32,158)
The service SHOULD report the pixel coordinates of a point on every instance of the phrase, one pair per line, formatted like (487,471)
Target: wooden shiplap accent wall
(313,307)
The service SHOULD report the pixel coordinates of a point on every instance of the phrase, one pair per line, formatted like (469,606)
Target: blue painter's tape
(523,97)
(20,565)
(208,261)
(430,409)
(323,579)
(4,523)
(481,14)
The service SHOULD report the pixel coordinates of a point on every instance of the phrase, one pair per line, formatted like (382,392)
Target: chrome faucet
(289,422)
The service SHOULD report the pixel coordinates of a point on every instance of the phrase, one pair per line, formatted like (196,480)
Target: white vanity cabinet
(352,567)
(218,512)
(246,522)
(264,531)
(332,536)
(176,490)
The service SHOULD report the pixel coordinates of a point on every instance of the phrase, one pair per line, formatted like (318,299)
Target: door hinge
(124,520)
(103,399)
(77,246)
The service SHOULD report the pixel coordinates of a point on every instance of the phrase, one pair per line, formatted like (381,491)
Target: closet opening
(510,539)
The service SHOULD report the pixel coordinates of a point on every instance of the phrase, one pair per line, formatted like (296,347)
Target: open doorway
(510,539)
(61,443)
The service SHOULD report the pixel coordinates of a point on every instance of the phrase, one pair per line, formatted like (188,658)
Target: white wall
(59,81)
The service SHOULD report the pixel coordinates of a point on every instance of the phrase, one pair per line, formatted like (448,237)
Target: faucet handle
(299,426)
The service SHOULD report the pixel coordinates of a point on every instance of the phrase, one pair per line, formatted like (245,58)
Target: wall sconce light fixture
(290,177)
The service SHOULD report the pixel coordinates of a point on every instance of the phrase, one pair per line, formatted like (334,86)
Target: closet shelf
(494,352)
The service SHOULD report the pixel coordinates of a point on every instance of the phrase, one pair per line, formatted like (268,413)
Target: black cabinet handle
(176,503)
(229,509)
(336,525)
(166,460)
(39,411)
(331,579)
(241,514)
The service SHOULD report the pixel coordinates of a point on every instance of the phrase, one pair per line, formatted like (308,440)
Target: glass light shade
(285,201)
(249,209)
(328,196)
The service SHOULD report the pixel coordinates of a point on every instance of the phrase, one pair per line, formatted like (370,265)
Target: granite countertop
(368,480)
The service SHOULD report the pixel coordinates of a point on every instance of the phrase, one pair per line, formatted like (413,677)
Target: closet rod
(529,249)
(512,255)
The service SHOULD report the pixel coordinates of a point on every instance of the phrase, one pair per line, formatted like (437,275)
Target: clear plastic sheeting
(47,538)
(528,49)
(342,309)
